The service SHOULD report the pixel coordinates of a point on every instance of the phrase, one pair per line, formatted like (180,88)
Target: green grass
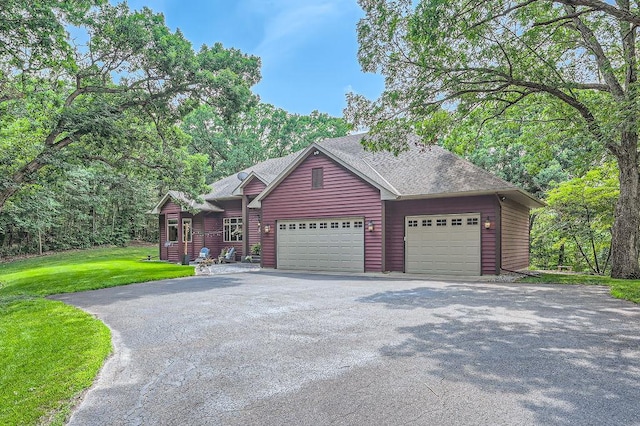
(50,352)
(619,288)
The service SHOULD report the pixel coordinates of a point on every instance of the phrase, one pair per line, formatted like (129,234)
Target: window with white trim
(358,224)
(441,222)
(172,230)
(187,230)
(472,221)
(313,226)
(323,225)
(456,222)
(413,223)
(334,225)
(232,229)
(283,226)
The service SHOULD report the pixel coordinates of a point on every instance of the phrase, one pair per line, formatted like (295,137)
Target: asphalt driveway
(307,349)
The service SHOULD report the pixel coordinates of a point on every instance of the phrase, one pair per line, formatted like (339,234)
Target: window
(358,224)
(472,221)
(412,223)
(186,230)
(316,178)
(441,222)
(283,226)
(334,225)
(313,226)
(172,230)
(323,225)
(302,226)
(426,222)
(292,226)
(346,224)
(456,222)
(232,229)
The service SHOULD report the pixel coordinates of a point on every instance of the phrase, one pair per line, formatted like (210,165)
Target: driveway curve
(270,348)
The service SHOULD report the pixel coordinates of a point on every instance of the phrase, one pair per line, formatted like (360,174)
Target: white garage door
(443,244)
(335,244)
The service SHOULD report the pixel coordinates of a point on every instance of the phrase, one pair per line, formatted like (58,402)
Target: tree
(58,94)
(261,133)
(577,58)
(578,220)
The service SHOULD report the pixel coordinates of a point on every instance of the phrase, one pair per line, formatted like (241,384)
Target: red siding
(343,194)
(170,210)
(515,236)
(232,208)
(395,218)
(254,187)
(254,232)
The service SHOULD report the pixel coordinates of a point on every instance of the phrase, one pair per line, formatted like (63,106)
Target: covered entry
(443,244)
(333,244)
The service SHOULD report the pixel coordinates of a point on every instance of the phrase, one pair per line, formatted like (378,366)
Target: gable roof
(419,172)
(181,198)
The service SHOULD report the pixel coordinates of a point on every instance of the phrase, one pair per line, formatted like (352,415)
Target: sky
(308,48)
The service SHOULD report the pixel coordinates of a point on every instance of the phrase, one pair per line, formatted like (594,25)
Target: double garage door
(443,244)
(333,244)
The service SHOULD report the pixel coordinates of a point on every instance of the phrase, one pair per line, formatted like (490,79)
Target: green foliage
(621,289)
(575,61)
(261,133)
(115,99)
(51,352)
(575,228)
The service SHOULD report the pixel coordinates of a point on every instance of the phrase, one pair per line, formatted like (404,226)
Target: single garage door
(335,244)
(443,244)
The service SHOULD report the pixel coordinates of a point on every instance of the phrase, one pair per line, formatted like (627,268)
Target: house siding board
(162,224)
(515,236)
(231,208)
(343,195)
(253,188)
(254,232)
(396,211)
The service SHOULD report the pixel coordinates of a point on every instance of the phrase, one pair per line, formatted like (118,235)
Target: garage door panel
(334,244)
(450,246)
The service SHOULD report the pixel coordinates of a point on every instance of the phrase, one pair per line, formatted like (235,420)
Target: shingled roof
(419,172)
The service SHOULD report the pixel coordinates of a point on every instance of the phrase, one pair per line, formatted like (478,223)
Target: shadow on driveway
(564,357)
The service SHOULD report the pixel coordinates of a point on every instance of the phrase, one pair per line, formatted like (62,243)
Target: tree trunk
(626,226)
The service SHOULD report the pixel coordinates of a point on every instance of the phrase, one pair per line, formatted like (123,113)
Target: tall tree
(577,57)
(58,93)
(262,132)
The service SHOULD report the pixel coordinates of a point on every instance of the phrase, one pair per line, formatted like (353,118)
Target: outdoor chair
(204,253)
(230,257)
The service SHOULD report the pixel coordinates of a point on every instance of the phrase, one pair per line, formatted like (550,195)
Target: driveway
(268,348)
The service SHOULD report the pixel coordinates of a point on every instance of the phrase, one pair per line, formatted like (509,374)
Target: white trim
(387,192)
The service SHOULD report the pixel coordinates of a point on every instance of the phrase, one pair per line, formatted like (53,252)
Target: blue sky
(308,47)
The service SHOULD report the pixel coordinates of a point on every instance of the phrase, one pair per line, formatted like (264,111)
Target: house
(336,207)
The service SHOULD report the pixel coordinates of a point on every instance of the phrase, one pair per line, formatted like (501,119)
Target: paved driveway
(306,349)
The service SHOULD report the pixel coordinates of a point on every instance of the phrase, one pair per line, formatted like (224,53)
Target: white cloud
(289,24)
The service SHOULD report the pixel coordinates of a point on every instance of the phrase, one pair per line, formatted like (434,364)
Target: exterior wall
(515,236)
(232,208)
(396,211)
(254,187)
(343,194)
(254,232)
(170,210)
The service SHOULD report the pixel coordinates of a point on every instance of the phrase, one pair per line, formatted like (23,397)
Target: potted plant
(256,249)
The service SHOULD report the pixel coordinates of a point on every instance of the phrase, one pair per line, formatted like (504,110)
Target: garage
(332,244)
(443,244)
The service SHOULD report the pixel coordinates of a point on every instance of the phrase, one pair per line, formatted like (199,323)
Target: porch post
(245,227)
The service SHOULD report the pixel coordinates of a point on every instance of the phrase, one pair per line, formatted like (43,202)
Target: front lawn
(50,352)
(622,289)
